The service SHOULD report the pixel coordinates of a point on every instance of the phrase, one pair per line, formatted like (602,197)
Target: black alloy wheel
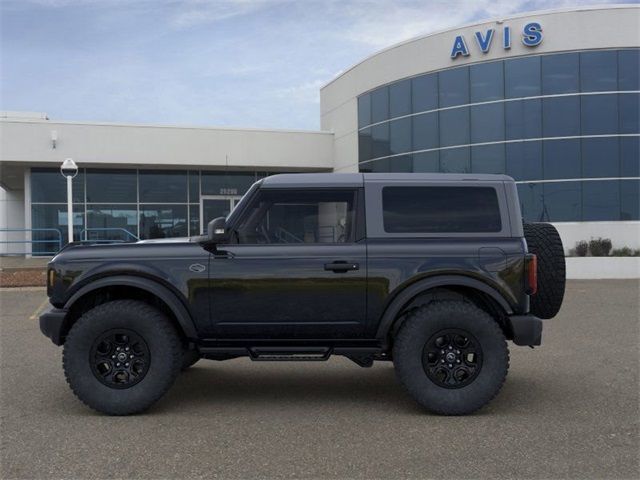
(120,358)
(452,358)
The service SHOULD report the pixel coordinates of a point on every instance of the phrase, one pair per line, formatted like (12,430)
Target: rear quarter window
(436,209)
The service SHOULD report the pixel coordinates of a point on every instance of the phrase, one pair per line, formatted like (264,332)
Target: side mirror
(217,230)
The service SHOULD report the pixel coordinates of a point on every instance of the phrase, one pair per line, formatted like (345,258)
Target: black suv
(433,272)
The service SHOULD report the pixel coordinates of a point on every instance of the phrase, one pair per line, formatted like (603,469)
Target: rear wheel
(121,357)
(544,241)
(451,356)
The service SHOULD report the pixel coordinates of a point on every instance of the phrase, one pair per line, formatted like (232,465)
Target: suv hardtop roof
(358,179)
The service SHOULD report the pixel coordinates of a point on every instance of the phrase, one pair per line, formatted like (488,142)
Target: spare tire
(544,241)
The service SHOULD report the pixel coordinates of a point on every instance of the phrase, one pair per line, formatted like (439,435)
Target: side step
(289,354)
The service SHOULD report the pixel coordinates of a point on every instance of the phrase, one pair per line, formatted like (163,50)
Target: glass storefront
(122,204)
(565,126)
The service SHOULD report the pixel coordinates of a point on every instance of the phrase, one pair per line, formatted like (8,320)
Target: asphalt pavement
(569,409)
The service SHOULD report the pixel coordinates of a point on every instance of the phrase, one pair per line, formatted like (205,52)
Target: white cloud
(196,12)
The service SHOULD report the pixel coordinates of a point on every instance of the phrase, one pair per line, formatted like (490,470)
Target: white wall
(29,142)
(622,234)
(11,216)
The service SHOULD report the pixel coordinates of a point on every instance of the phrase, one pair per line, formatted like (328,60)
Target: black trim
(527,329)
(52,323)
(163,293)
(408,293)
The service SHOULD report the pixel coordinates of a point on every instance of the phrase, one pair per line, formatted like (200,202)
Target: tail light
(532,274)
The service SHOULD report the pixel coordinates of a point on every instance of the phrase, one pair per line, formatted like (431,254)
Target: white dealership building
(549,98)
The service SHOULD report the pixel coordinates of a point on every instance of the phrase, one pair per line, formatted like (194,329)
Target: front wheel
(121,357)
(451,356)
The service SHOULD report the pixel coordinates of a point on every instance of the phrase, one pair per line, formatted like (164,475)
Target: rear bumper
(527,329)
(52,323)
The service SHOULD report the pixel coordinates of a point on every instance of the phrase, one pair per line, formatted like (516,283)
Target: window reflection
(111,222)
(163,221)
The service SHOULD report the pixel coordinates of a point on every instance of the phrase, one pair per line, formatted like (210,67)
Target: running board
(289,354)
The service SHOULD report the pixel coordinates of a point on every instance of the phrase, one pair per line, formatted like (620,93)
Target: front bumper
(52,324)
(527,329)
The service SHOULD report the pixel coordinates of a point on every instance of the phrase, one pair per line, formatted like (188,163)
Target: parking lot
(569,409)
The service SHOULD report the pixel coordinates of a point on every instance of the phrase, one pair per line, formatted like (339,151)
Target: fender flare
(408,293)
(176,306)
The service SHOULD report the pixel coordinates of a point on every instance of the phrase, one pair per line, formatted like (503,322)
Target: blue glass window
(560,73)
(630,156)
(112,186)
(163,221)
(561,159)
(365,145)
(378,166)
(599,71)
(113,220)
(522,77)
(601,200)
(599,114)
(562,201)
(524,160)
(194,186)
(454,127)
(629,70)
(364,110)
(400,135)
(53,216)
(426,162)
(630,200)
(400,99)
(488,159)
(530,195)
(424,91)
(561,116)
(157,186)
(487,123)
(380,105)
(523,119)
(455,160)
(380,140)
(425,131)
(401,163)
(49,186)
(629,112)
(487,82)
(600,157)
(454,87)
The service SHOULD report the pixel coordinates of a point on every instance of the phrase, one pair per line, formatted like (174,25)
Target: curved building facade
(551,99)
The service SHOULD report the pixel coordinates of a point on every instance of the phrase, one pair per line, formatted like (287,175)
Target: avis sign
(531,37)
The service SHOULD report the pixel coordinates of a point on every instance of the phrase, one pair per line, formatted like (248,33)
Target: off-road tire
(544,241)
(425,322)
(159,335)
(189,358)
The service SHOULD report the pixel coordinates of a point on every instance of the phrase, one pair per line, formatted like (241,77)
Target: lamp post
(69,169)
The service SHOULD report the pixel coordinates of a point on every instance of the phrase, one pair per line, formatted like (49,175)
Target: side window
(299,216)
(440,210)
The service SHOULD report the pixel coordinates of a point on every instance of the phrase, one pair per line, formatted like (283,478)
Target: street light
(69,169)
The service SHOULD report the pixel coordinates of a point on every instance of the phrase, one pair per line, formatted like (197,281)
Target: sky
(244,63)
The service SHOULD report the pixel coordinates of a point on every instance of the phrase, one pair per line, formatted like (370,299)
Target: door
(214,206)
(296,268)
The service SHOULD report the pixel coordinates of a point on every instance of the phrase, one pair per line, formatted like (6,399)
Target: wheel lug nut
(441,351)
(126,364)
(450,365)
(457,351)
(442,361)
(113,356)
(457,361)
(118,349)
(127,349)
(450,347)
(130,356)
(118,364)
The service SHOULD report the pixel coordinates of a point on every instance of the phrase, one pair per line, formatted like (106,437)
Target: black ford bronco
(433,272)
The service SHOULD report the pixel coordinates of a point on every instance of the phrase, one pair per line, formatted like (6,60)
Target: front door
(214,206)
(296,268)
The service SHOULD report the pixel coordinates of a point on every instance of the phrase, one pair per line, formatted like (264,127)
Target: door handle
(340,266)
